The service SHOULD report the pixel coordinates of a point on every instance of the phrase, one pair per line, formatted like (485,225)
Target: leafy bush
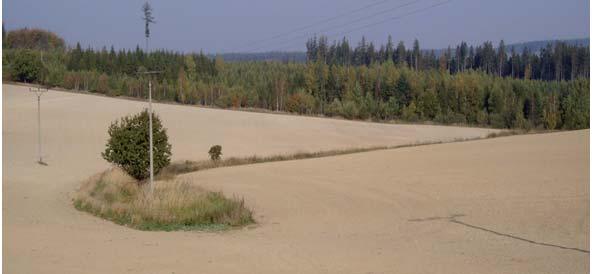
(392,108)
(576,106)
(334,109)
(350,110)
(409,112)
(6,68)
(300,102)
(368,107)
(215,152)
(54,69)
(26,66)
(230,98)
(128,146)
(497,120)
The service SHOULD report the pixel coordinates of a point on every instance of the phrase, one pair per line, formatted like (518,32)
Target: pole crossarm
(38,91)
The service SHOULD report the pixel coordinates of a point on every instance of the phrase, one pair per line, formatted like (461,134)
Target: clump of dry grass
(504,133)
(175,205)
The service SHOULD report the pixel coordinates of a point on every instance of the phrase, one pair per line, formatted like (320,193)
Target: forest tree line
(557,61)
(390,89)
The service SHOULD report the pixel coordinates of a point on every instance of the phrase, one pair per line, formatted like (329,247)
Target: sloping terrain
(508,205)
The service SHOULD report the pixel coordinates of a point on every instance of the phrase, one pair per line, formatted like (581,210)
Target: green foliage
(576,106)
(428,104)
(7,74)
(128,145)
(215,152)
(334,109)
(410,113)
(368,107)
(392,108)
(559,60)
(300,102)
(55,68)
(550,113)
(25,66)
(350,110)
(358,83)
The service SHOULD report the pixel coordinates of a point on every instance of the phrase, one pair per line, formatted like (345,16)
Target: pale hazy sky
(231,25)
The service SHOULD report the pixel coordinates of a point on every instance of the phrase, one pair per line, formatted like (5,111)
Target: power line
(372,24)
(354,21)
(316,23)
(396,17)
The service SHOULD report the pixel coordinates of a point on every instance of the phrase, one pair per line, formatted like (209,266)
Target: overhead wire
(413,12)
(367,17)
(326,20)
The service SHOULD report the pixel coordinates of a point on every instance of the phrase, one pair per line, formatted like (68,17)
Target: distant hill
(300,56)
(535,46)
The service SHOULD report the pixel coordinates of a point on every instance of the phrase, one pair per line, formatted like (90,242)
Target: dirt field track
(507,205)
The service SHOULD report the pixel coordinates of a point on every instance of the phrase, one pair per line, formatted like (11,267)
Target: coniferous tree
(401,53)
(416,54)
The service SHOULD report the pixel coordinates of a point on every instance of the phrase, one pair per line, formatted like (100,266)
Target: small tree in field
(128,145)
(215,152)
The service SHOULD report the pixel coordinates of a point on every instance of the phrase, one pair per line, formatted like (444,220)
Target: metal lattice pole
(39,92)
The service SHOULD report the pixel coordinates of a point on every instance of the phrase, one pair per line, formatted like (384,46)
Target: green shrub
(128,145)
(300,102)
(409,113)
(55,75)
(576,106)
(368,107)
(215,152)
(26,66)
(230,98)
(350,110)
(391,108)
(497,120)
(334,109)
(7,74)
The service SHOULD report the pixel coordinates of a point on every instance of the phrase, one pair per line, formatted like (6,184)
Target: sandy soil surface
(508,205)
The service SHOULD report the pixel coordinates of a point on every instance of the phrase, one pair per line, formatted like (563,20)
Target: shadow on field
(453,219)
